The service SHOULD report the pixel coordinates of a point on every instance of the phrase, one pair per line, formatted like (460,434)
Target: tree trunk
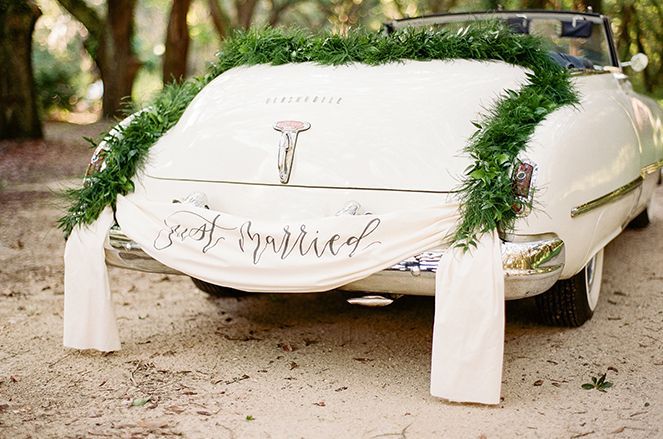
(177,42)
(109,45)
(245,10)
(19,117)
(116,60)
(535,4)
(220,20)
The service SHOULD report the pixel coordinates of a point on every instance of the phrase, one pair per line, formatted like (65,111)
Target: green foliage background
(638,27)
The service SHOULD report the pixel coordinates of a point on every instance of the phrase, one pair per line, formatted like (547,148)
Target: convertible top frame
(534,13)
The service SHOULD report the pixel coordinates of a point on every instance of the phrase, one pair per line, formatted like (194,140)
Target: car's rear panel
(400,126)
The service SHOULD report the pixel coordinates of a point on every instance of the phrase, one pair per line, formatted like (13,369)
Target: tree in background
(109,43)
(241,14)
(19,117)
(639,28)
(177,42)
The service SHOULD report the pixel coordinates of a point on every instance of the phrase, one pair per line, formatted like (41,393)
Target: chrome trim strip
(587,72)
(619,192)
(607,198)
(650,169)
(251,183)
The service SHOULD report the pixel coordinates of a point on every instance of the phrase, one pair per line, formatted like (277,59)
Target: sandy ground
(301,365)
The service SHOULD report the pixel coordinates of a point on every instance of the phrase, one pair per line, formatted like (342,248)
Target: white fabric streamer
(304,256)
(468,332)
(89,317)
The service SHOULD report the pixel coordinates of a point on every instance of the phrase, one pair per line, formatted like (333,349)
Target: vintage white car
(305,141)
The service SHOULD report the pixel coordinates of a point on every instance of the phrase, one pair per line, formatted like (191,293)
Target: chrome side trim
(619,192)
(650,169)
(607,198)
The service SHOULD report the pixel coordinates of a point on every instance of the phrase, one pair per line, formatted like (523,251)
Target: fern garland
(502,134)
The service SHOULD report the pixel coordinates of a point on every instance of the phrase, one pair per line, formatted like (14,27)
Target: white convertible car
(305,141)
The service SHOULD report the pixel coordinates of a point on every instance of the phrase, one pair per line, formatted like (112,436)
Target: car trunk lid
(398,126)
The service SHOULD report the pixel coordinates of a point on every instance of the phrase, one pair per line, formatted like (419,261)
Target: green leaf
(588,386)
(601,380)
(478,174)
(139,402)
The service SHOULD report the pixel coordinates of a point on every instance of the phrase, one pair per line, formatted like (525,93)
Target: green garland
(486,192)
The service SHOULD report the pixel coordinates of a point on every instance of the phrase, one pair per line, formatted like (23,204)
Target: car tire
(639,222)
(216,290)
(571,302)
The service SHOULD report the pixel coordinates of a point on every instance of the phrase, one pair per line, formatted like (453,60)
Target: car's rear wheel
(216,290)
(571,302)
(641,221)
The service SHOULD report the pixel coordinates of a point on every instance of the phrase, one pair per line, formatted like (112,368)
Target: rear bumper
(532,264)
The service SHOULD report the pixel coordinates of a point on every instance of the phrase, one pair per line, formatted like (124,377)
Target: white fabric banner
(89,317)
(468,331)
(303,256)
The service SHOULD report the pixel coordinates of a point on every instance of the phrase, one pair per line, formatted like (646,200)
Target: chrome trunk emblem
(289,130)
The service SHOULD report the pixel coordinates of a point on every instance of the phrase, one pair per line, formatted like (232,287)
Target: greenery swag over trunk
(502,134)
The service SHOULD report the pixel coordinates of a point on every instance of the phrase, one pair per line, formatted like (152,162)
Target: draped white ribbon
(304,256)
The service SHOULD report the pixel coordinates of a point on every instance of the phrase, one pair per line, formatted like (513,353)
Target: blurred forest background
(89,57)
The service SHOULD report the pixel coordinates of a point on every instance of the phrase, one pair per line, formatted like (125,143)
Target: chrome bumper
(532,264)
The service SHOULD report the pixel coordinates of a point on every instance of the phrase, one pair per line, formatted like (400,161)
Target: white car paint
(395,126)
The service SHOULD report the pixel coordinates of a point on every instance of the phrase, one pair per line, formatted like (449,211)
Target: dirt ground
(300,365)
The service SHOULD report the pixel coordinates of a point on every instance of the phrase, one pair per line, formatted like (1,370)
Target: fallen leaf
(139,402)
(153,424)
(287,347)
(320,404)
(340,389)
(241,337)
(203,412)
(538,383)
(175,409)
(234,380)
(293,365)
(362,359)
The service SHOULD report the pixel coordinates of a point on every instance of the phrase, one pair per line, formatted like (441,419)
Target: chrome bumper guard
(532,264)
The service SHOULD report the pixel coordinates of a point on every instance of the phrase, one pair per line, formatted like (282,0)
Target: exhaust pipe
(374,301)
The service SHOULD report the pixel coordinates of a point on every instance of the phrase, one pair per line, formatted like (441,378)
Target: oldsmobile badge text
(291,240)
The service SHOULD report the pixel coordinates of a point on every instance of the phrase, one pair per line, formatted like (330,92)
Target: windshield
(575,41)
